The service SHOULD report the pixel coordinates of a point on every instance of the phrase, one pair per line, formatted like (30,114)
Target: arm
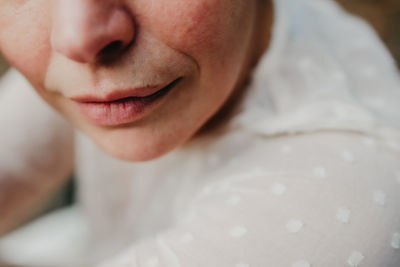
(36,154)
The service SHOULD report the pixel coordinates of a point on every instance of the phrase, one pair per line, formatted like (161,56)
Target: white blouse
(307,172)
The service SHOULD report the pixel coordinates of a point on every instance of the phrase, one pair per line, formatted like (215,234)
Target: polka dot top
(305,174)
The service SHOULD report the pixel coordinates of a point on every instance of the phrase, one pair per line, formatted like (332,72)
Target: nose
(84,30)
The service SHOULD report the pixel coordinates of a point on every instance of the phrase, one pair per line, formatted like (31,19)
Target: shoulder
(334,190)
(324,199)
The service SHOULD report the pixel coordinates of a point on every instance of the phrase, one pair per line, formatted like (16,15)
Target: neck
(262,32)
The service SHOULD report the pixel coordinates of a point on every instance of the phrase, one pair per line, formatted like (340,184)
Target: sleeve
(335,203)
(36,150)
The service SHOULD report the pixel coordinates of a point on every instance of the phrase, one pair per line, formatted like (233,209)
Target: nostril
(111,52)
(112,48)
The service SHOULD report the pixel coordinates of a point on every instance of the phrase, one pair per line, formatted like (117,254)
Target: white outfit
(307,173)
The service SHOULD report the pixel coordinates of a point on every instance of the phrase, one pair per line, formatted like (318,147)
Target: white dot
(234,200)
(319,172)
(347,156)
(369,141)
(242,265)
(395,243)
(301,263)
(278,189)
(238,231)
(286,149)
(152,262)
(355,258)
(343,215)
(294,226)
(380,197)
(187,238)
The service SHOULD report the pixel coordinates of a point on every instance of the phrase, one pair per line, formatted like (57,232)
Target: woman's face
(140,77)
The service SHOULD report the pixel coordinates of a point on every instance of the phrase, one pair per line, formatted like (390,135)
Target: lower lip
(123,111)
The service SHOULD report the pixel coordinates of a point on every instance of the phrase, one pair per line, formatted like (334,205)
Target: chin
(134,155)
(134,147)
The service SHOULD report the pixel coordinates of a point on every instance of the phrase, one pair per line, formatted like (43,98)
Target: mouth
(123,107)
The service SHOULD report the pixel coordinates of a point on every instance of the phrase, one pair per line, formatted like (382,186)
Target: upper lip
(118,94)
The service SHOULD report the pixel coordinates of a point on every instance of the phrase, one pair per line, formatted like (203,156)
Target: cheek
(193,26)
(24,41)
(199,26)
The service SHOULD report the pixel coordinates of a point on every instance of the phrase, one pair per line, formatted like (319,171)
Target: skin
(63,48)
